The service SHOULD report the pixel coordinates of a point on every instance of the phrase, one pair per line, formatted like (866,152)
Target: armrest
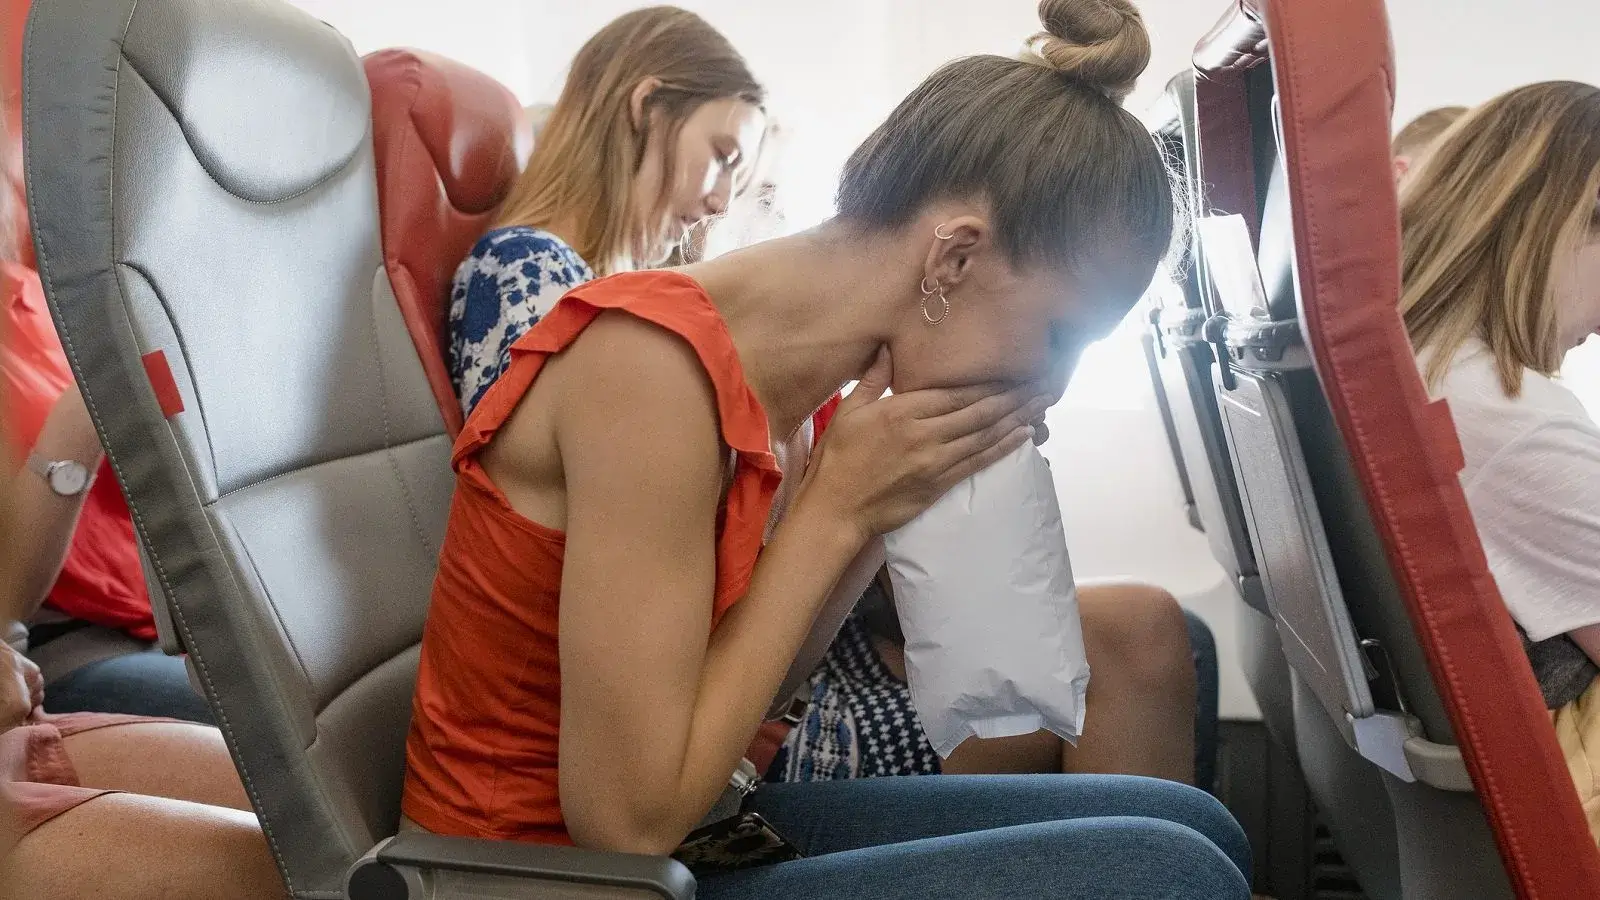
(421,866)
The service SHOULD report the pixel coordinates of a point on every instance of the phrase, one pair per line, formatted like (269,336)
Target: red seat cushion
(450,142)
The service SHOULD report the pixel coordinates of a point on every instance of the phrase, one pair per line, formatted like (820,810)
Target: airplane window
(1581,375)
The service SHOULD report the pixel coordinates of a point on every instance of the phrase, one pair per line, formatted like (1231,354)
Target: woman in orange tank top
(611,619)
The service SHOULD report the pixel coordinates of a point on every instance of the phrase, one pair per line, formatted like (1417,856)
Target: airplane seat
(449,143)
(1153,352)
(1255,329)
(1163,120)
(1381,595)
(204,196)
(1181,362)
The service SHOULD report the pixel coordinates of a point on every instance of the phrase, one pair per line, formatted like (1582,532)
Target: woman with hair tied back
(1501,274)
(608,625)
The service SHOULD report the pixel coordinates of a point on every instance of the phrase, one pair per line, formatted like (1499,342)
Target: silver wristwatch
(66,477)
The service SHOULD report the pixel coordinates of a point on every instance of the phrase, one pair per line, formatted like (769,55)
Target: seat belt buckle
(745,778)
(796,713)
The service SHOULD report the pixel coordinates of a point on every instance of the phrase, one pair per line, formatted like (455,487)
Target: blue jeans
(996,837)
(138,684)
(1207,681)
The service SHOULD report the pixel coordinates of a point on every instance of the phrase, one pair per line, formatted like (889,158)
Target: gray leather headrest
(303,118)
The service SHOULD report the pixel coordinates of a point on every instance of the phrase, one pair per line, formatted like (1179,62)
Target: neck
(566,229)
(807,312)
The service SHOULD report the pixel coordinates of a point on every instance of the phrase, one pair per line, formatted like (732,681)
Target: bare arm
(654,714)
(825,626)
(45,520)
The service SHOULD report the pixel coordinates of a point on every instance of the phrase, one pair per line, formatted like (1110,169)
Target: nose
(716,203)
(717,200)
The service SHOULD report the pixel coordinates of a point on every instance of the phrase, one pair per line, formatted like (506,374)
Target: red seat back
(450,142)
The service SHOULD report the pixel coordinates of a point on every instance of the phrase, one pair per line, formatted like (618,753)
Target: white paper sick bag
(984,591)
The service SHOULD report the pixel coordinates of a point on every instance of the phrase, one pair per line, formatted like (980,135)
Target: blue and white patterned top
(860,723)
(509,281)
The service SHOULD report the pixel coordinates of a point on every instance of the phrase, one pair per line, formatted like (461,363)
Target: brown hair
(589,151)
(1068,172)
(1507,191)
(1425,129)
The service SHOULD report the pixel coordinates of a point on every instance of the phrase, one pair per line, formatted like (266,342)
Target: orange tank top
(485,728)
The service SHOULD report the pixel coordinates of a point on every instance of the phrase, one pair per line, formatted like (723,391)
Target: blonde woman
(1501,279)
(654,131)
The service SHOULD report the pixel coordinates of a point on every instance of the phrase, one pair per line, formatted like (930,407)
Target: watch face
(68,478)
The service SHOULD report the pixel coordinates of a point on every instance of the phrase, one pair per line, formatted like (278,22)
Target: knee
(1205,814)
(224,856)
(1196,866)
(1139,631)
(249,868)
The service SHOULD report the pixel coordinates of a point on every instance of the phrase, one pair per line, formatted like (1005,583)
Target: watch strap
(39,466)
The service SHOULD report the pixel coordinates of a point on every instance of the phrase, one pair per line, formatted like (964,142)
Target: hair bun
(1102,43)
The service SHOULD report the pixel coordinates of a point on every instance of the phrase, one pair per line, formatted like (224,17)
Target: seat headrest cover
(1238,40)
(449,143)
(468,123)
(305,104)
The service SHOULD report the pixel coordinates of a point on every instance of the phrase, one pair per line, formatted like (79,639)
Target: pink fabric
(37,780)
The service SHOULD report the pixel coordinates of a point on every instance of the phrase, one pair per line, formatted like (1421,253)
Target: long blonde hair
(1509,190)
(589,151)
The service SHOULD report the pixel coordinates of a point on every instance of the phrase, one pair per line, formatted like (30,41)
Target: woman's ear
(641,93)
(953,244)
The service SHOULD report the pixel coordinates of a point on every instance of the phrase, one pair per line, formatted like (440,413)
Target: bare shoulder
(626,395)
(622,359)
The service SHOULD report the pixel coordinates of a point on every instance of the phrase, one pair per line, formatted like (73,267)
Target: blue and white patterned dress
(509,281)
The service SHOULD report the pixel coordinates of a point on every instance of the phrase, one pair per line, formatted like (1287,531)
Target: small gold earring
(938,290)
(939,232)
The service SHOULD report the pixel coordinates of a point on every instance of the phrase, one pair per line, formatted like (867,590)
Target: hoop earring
(938,289)
(939,232)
